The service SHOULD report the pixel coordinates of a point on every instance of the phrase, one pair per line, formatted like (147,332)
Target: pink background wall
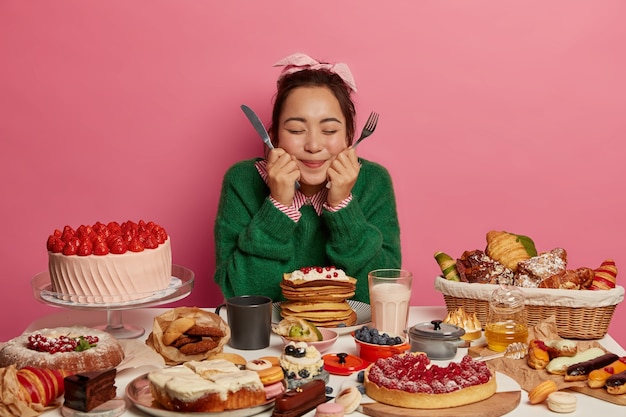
(494,115)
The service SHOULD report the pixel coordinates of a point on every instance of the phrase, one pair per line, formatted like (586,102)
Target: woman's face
(312,128)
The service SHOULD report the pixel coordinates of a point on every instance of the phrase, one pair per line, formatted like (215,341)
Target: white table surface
(144,318)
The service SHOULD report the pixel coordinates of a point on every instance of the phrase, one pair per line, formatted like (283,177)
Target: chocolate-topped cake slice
(85,391)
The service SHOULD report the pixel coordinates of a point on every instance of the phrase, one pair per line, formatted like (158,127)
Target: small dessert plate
(329,339)
(112,408)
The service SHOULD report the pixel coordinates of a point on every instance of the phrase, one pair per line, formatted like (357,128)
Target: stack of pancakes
(321,301)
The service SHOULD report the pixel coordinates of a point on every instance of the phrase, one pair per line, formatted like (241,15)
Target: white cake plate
(181,285)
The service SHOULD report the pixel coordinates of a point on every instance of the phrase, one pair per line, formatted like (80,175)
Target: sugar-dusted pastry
(531,272)
(509,249)
(605,276)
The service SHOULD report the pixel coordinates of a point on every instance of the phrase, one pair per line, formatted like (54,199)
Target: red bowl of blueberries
(372,345)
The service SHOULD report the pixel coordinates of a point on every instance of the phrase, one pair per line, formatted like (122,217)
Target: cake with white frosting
(208,386)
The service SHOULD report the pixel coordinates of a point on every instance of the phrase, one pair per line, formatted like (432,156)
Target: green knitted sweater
(255,243)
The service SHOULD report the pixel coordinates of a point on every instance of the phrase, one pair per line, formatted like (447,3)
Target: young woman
(312,201)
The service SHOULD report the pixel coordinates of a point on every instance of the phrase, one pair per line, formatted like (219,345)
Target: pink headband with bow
(299,61)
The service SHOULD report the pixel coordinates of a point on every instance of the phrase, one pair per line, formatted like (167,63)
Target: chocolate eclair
(580,371)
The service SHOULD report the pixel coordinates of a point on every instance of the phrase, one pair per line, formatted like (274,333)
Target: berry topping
(296,352)
(101,239)
(41,343)
(414,373)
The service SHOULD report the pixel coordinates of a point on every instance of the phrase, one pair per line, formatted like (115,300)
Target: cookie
(183,340)
(205,331)
(198,347)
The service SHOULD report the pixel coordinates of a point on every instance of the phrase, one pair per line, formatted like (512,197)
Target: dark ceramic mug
(250,321)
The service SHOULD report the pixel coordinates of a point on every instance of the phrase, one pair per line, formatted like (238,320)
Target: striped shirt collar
(317,200)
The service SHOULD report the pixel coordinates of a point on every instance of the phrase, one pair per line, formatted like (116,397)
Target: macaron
(271,375)
(329,409)
(273,390)
(540,392)
(562,402)
(258,364)
(349,398)
(274,360)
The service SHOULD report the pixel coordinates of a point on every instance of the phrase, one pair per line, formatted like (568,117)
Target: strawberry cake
(410,381)
(109,263)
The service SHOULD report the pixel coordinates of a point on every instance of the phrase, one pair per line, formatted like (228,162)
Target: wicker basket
(579,314)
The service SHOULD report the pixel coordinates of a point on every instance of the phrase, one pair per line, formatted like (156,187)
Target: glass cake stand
(180,287)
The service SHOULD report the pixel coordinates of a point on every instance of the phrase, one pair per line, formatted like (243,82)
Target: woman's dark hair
(314,78)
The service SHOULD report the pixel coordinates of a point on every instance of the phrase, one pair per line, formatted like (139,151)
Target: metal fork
(368,129)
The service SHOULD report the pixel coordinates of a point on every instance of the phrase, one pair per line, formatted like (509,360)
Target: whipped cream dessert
(315,273)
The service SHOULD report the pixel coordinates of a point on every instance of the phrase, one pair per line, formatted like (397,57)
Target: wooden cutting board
(601,394)
(497,405)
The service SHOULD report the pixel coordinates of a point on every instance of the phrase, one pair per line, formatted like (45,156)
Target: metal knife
(257,124)
(260,129)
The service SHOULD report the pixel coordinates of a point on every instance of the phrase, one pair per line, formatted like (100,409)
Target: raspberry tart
(410,381)
(108,263)
(73,349)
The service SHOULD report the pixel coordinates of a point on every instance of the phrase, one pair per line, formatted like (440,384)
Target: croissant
(509,249)
(604,276)
(571,279)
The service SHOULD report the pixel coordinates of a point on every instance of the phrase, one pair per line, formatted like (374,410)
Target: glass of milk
(390,294)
